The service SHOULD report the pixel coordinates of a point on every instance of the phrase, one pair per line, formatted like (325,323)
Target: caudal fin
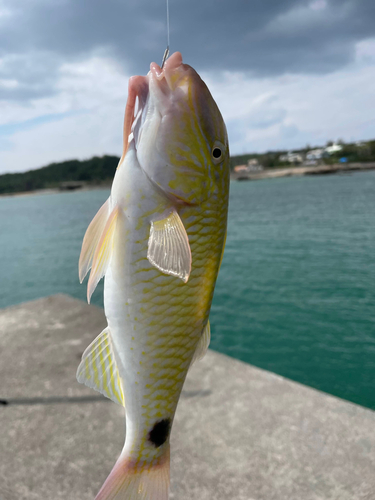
(127,482)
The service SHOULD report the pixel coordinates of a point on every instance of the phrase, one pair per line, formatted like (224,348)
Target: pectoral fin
(168,247)
(103,253)
(203,344)
(91,240)
(98,369)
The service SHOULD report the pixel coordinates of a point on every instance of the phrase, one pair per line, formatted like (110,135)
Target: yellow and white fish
(159,241)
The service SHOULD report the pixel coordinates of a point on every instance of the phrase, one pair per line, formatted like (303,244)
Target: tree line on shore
(96,170)
(100,170)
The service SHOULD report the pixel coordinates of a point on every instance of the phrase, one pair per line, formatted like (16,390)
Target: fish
(158,241)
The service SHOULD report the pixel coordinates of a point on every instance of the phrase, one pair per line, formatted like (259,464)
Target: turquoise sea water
(296,290)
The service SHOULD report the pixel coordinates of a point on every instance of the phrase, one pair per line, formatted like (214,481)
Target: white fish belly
(155,320)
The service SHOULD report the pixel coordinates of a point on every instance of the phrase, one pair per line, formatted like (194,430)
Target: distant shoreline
(29,193)
(273,173)
(87,187)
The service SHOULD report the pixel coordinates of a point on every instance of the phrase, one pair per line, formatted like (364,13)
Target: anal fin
(203,344)
(98,369)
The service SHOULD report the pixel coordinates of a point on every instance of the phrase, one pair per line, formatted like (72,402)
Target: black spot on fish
(160,432)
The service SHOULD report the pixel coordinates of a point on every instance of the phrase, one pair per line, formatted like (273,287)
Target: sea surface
(296,291)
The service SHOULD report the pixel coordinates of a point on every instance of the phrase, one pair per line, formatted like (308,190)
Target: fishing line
(166,52)
(168,24)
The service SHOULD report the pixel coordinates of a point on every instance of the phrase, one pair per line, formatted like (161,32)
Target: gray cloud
(262,38)
(29,74)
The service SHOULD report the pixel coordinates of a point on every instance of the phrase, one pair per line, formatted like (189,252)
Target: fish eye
(216,153)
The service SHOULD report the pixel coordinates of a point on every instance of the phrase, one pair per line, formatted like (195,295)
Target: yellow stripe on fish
(98,369)
(159,241)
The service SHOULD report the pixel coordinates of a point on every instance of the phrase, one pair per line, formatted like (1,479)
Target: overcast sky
(285,73)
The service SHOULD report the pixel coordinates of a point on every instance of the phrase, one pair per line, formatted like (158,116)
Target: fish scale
(158,241)
(170,359)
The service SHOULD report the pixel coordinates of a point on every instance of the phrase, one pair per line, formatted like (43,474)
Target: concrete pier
(240,433)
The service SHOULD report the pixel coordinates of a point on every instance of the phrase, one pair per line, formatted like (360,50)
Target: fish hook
(165,57)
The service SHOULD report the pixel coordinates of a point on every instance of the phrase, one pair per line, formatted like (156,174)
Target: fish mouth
(172,81)
(171,71)
(160,82)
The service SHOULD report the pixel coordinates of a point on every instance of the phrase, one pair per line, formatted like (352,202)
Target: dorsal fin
(98,368)
(169,248)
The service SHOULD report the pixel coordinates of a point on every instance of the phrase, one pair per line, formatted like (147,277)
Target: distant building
(315,154)
(240,168)
(291,157)
(333,149)
(253,165)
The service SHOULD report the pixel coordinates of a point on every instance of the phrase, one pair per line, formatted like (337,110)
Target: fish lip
(163,83)
(171,66)
(166,74)
(156,71)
